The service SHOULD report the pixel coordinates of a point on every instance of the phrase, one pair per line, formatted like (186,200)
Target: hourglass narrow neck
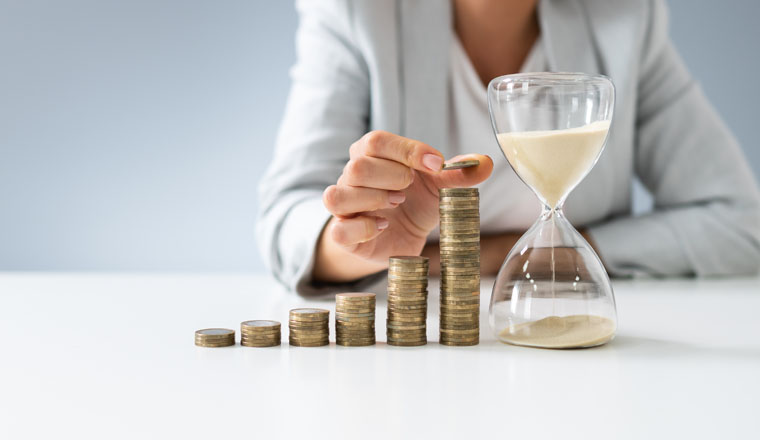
(548,212)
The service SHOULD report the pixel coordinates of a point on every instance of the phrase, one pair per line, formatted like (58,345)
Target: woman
(383,91)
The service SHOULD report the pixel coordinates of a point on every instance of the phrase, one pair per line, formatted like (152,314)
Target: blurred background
(133,133)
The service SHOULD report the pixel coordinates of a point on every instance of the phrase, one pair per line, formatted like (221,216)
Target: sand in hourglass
(552,162)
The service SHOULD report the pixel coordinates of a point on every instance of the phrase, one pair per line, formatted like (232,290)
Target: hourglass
(552,291)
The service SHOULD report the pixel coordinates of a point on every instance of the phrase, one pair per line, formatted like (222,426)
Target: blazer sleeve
(326,111)
(706,219)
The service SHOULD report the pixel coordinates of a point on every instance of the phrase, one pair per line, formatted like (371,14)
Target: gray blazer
(368,64)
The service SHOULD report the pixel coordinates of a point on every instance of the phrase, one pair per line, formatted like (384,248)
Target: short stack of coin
(460,266)
(355,319)
(215,337)
(407,301)
(309,327)
(260,333)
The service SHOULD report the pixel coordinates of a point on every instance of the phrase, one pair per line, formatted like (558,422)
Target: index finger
(384,145)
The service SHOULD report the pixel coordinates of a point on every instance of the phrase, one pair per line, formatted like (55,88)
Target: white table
(112,356)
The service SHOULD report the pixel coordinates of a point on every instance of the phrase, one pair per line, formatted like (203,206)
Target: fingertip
(487,163)
(424,157)
(338,232)
(432,162)
(467,177)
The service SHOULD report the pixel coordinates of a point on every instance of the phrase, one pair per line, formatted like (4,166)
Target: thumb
(465,177)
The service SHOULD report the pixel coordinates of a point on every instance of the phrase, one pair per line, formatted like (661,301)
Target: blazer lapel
(567,37)
(424,40)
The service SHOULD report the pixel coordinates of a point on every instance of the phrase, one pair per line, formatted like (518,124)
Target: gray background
(133,133)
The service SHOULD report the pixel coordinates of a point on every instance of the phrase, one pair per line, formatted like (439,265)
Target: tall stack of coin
(355,319)
(407,301)
(460,266)
(215,337)
(260,333)
(309,327)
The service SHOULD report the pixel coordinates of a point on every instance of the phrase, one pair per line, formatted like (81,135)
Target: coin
(308,314)
(309,344)
(407,342)
(214,337)
(355,296)
(458,343)
(260,333)
(408,260)
(355,319)
(309,327)
(459,246)
(407,300)
(471,192)
(460,164)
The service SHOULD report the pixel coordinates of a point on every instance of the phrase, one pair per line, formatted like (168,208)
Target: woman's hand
(385,203)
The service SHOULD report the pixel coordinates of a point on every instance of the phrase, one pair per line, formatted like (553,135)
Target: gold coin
(475,201)
(461,282)
(309,331)
(406,321)
(445,308)
(470,241)
(355,324)
(407,338)
(407,309)
(460,164)
(309,314)
(410,271)
(405,333)
(260,344)
(467,226)
(408,259)
(355,296)
(404,343)
(455,259)
(355,315)
(215,332)
(356,332)
(263,334)
(260,335)
(355,344)
(458,191)
(459,344)
(400,326)
(214,345)
(309,344)
(293,340)
(260,324)
(417,278)
(321,328)
(460,331)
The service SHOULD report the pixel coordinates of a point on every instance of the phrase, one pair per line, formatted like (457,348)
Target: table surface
(112,356)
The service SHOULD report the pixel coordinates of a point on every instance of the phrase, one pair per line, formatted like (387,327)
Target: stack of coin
(215,337)
(260,333)
(355,319)
(460,266)
(309,327)
(407,301)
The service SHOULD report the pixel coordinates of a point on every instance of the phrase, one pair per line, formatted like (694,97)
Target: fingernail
(432,161)
(382,223)
(396,197)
